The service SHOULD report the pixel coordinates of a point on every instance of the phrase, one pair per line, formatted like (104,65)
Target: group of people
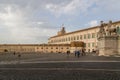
(19,55)
(77,53)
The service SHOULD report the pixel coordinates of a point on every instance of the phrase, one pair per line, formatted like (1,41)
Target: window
(88,44)
(37,47)
(93,35)
(62,40)
(84,36)
(77,37)
(56,40)
(67,48)
(84,44)
(88,50)
(74,38)
(118,30)
(93,44)
(69,39)
(81,37)
(66,39)
(88,36)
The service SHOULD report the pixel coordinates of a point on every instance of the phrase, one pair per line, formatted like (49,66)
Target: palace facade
(89,36)
(62,41)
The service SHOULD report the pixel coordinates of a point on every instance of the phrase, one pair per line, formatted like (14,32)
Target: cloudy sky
(34,21)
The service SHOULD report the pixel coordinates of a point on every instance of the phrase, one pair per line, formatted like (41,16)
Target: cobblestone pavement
(59,67)
(58,75)
(61,71)
(37,57)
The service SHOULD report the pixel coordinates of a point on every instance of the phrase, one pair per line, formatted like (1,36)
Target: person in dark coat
(68,53)
(78,53)
(14,53)
(75,52)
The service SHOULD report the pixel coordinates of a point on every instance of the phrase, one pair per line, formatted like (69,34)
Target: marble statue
(101,31)
(110,30)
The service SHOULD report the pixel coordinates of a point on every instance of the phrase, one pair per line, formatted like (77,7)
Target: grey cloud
(106,6)
(25,14)
(17,23)
(32,3)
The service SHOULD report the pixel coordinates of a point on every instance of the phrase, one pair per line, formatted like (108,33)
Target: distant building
(40,48)
(52,48)
(17,47)
(62,31)
(89,36)
(87,39)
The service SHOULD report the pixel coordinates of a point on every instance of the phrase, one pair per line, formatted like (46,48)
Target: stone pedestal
(108,45)
(119,45)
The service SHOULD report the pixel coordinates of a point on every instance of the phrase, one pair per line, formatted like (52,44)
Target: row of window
(30,49)
(86,45)
(52,48)
(73,38)
(90,44)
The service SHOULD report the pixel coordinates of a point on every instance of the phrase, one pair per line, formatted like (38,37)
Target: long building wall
(88,36)
(54,48)
(55,43)
(17,48)
(28,48)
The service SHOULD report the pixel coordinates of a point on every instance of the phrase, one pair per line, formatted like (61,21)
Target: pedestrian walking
(19,57)
(68,53)
(83,52)
(75,52)
(14,53)
(78,53)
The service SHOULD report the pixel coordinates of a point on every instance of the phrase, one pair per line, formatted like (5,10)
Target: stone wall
(108,45)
